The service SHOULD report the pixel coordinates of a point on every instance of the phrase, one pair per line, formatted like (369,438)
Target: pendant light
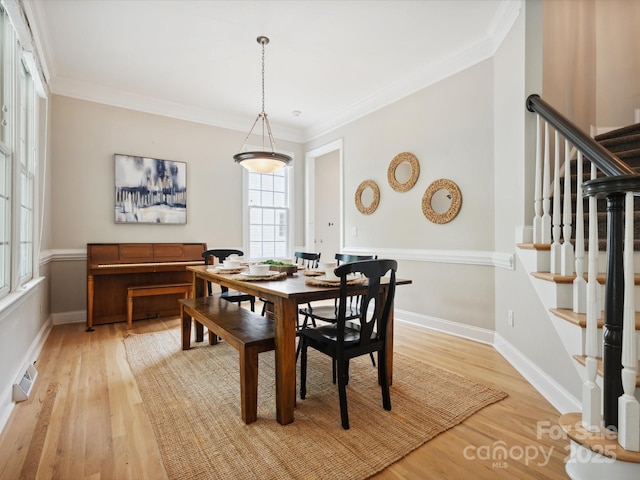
(263,161)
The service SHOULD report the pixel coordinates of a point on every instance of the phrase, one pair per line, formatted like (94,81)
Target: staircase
(560,273)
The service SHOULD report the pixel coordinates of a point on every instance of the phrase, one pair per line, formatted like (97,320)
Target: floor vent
(22,389)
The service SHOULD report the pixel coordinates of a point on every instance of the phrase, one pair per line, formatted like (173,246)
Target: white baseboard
(551,390)
(79,316)
(477,334)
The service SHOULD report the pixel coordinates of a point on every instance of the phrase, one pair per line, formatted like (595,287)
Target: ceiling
(199,60)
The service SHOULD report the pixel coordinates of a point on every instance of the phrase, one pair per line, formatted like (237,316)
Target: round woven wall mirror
(441,201)
(403,172)
(367,197)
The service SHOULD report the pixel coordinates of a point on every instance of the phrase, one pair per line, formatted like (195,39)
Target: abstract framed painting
(150,190)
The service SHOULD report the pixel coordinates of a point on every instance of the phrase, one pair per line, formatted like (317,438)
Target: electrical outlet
(354,231)
(511,318)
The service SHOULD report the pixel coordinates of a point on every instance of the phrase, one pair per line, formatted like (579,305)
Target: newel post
(614,308)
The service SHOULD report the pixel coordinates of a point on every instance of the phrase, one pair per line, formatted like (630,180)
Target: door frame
(310,194)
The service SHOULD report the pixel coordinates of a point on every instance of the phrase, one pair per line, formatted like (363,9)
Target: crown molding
(91,92)
(483,49)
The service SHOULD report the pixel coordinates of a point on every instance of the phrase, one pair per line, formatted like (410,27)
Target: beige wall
(569,71)
(618,54)
(592,60)
(86,135)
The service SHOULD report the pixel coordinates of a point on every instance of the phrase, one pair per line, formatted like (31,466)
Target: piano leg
(90,303)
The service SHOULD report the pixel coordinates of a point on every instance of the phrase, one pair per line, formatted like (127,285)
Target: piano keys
(113,267)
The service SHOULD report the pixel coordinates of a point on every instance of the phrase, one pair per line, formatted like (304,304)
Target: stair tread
(618,132)
(581,359)
(557,278)
(580,319)
(605,443)
(534,246)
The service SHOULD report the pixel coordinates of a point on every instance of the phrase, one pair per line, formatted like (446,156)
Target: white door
(323,198)
(327,205)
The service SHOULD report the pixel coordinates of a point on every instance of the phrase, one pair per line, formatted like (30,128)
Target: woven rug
(193,401)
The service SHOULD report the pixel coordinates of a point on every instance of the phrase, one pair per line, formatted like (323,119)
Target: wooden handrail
(609,163)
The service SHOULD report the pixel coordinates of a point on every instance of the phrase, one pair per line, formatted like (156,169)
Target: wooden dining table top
(284,287)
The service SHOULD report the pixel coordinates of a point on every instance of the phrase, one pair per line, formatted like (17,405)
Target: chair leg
(303,369)
(333,370)
(253,306)
(373,360)
(298,328)
(342,391)
(383,379)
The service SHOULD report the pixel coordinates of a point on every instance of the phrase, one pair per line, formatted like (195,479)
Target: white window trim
(17,56)
(245,206)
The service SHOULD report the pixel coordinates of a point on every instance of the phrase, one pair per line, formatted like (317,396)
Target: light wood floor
(85,418)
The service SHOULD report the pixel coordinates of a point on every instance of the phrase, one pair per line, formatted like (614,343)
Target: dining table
(285,293)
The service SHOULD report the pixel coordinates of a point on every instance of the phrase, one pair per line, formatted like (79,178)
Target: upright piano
(113,267)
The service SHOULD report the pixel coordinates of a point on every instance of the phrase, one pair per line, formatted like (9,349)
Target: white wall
(24,315)
(449,128)
(518,75)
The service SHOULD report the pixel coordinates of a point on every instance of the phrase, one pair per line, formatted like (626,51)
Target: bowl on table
(259,269)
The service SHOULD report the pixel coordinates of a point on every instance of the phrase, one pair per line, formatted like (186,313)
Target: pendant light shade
(263,161)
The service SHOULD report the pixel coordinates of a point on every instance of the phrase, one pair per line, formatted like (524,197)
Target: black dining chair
(344,340)
(307,260)
(329,313)
(229,295)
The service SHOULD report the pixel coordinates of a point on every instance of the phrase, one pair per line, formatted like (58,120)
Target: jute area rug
(193,401)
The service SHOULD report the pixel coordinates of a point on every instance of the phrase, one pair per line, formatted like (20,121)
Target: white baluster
(596,250)
(537,200)
(567,257)
(546,181)
(628,406)
(591,396)
(556,230)
(579,284)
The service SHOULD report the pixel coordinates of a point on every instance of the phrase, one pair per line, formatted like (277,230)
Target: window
(267,196)
(18,153)
(26,153)
(5,219)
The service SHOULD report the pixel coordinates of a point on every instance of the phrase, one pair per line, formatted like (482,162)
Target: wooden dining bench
(246,331)
(149,290)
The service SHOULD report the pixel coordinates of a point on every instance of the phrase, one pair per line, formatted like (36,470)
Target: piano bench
(248,332)
(150,290)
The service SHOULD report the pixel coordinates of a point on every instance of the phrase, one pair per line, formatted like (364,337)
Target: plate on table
(222,269)
(323,278)
(270,273)
(310,272)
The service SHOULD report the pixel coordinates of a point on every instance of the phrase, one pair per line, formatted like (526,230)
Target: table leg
(198,286)
(390,347)
(286,311)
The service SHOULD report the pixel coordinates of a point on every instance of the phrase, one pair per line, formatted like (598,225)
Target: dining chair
(343,341)
(329,313)
(306,259)
(229,295)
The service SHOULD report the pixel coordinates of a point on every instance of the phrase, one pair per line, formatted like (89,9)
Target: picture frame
(150,190)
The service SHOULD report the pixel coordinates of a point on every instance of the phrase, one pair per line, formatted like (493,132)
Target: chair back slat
(374,320)
(308,259)
(220,254)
